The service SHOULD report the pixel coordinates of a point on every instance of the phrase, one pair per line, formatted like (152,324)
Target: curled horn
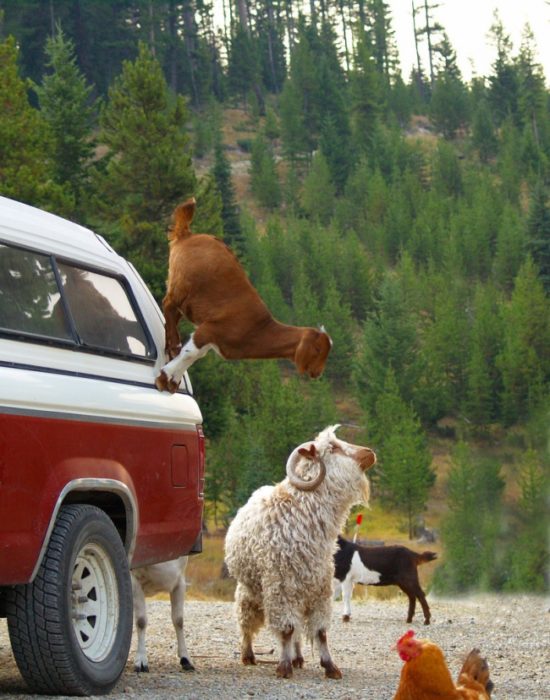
(297,481)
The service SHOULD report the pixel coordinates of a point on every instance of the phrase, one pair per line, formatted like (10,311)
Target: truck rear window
(53,300)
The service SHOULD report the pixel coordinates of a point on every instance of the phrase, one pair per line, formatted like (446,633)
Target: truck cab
(99,472)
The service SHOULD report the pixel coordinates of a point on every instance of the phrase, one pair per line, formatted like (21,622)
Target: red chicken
(425,675)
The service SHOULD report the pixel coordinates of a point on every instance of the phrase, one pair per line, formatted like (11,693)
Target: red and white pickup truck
(99,472)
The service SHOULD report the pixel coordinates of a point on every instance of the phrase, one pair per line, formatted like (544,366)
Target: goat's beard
(364,492)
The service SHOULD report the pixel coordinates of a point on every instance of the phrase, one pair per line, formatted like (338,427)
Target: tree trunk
(172,51)
(190,41)
(289,24)
(242,11)
(429,39)
(270,29)
(344,32)
(152,38)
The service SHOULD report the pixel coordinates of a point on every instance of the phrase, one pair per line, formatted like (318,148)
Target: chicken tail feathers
(476,668)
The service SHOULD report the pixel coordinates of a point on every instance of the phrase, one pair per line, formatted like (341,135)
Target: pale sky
(467,23)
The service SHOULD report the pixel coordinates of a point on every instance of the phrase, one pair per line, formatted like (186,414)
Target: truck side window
(102,312)
(29,295)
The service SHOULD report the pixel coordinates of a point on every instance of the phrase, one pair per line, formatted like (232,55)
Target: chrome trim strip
(97,418)
(106,485)
(27,367)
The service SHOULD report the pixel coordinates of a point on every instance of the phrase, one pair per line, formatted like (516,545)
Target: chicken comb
(408,635)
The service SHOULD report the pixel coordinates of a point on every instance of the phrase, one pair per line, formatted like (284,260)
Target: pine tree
(503,83)
(483,380)
(366,95)
(532,97)
(337,319)
(318,191)
(208,213)
(26,165)
(538,233)
(449,106)
(299,110)
(264,181)
(147,170)
(510,247)
(403,455)
(483,132)
(527,556)
(389,342)
(65,101)
(471,528)
(524,360)
(221,171)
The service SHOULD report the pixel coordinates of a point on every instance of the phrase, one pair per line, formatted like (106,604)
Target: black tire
(65,643)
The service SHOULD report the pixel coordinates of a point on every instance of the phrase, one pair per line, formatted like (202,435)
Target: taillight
(202,456)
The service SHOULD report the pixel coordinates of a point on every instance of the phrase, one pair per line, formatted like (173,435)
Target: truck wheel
(70,629)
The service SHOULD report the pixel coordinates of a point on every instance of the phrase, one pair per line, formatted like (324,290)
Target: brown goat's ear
(308,454)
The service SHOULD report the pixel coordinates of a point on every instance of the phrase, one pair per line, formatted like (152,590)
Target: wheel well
(111,503)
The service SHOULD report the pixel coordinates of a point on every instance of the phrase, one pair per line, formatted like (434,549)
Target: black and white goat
(166,577)
(393,565)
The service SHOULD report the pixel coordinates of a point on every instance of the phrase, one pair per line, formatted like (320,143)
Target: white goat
(280,548)
(166,577)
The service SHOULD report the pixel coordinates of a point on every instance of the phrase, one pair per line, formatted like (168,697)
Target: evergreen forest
(409,215)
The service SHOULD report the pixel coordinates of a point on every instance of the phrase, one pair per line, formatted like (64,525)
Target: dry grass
(204,571)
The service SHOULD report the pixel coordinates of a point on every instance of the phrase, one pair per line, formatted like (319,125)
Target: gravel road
(513,632)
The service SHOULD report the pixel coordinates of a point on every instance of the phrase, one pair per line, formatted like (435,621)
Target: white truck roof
(24,224)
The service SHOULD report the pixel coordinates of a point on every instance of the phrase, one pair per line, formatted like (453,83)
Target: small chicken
(425,675)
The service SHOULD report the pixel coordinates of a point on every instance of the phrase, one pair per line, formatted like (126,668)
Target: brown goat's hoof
(173,386)
(161,382)
(249,660)
(346,618)
(331,670)
(426,622)
(298,662)
(284,669)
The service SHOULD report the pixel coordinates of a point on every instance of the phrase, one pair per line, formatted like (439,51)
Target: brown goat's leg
(331,670)
(172,316)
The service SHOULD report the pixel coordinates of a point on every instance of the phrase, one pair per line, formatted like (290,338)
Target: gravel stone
(513,632)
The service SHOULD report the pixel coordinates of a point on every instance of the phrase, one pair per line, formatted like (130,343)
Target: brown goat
(208,286)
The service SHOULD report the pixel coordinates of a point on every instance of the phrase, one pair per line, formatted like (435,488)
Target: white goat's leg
(347,592)
(140,616)
(298,660)
(286,637)
(318,624)
(251,617)
(331,670)
(177,597)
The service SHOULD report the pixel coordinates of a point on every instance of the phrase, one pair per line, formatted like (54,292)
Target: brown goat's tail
(181,220)
(424,557)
